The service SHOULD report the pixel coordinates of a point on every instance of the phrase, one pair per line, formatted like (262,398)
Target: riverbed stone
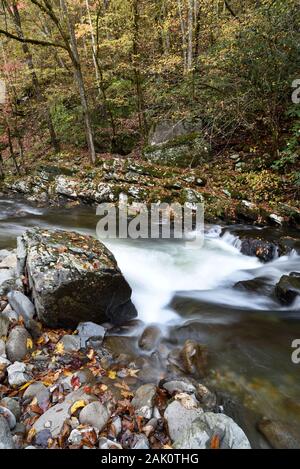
(88,331)
(143,401)
(199,434)
(9,416)
(264,250)
(2,349)
(95,414)
(17,374)
(6,439)
(55,417)
(149,338)
(17,343)
(38,390)
(176,386)
(75,278)
(280,435)
(9,262)
(140,442)
(71,343)
(288,288)
(4,325)
(21,304)
(180,418)
(13,405)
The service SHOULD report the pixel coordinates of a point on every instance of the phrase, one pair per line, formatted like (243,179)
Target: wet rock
(4,253)
(13,405)
(16,346)
(75,278)
(207,398)
(17,374)
(280,435)
(9,262)
(288,288)
(9,416)
(71,343)
(89,331)
(53,419)
(6,439)
(150,338)
(4,325)
(259,285)
(95,414)
(193,359)
(143,401)
(177,386)
(263,250)
(140,442)
(247,211)
(21,304)
(179,418)
(200,433)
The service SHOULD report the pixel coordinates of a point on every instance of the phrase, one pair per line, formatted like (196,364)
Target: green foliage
(67,123)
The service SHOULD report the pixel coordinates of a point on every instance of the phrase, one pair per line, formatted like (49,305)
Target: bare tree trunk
(137,72)
(190,35)
(183,34)
(79,79)
(94,48)
(35,82)
(11,149)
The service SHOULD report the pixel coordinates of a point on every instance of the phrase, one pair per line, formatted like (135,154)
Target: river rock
(180,418)
(264,250)
(74,278)
(9,416)
(280,435)
(199,434)
(71,343)
(143,400)
(105,443)
(259,285)
(21,305)
(177,386)
(4,253)
(95,414)
(13,405)
(288,288)
(140,442)
(55,417)
(9,262)
(6,439)
(90,331)
(38,390)
(17,374)
(149,338)
(16,346)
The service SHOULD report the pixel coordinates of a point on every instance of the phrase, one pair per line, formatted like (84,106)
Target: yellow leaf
(29,344)
(132,372)
(59,349)
(77,405)
(25,386)
(112,374)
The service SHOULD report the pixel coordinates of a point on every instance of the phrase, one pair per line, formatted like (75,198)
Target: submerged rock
(280,435)
(259,285)
(288,288)
(74,278)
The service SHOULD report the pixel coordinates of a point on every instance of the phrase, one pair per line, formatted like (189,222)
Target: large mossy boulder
(177,144)
(187,151)
(73,278)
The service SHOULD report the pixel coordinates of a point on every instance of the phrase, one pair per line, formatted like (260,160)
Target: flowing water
(189,292)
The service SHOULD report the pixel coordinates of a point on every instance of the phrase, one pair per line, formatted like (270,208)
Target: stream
(189,292)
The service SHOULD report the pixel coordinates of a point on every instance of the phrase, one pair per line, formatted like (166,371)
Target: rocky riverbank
(231,191)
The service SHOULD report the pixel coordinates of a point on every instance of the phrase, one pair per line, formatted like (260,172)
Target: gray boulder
(88,331)
(71,343)
(180,418)
(74,278)
(199,434)
(95,414)
(16,346)
(6,439)
(288,288)
(21,305)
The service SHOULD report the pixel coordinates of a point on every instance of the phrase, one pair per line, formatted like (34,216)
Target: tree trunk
(74,55)
(183,34)
(35,82)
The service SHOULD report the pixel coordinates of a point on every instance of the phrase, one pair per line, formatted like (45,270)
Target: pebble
(16,346)
(143,401)
(9,417)
(95,414)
